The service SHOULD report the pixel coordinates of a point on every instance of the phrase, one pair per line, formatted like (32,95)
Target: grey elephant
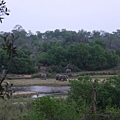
(65,77)
(61,77)
(43,76)
(58,76)
(68,70)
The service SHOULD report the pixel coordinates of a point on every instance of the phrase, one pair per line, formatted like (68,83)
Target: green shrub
(55,109)
(55,69)
(15,109)
(36,76)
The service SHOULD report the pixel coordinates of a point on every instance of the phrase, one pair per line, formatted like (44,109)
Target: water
(43,90)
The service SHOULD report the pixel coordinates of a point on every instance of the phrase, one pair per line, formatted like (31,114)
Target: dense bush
(107,97)
(55,109)
(84,56)
(23,64)
(55,69)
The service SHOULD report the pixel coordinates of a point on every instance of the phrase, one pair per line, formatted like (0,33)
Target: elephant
(61,77)
(68,70)
(58,76)
(43,76)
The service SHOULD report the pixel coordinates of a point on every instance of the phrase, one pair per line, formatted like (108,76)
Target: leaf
(1,19)
(6,10)
(7,13)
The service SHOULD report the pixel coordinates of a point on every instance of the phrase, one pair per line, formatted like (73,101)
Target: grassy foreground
(15,109)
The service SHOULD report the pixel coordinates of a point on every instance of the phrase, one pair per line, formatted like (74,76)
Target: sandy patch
(23,93)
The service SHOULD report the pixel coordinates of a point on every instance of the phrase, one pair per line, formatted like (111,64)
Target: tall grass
(15,109)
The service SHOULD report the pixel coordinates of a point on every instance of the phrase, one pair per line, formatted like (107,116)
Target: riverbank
(36,81)
(39,82)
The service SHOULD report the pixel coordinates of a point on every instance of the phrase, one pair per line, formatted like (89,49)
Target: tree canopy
(97,50)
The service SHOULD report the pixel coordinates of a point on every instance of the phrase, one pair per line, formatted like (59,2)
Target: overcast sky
(43,15)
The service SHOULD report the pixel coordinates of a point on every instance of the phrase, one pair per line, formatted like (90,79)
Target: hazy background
(43,15)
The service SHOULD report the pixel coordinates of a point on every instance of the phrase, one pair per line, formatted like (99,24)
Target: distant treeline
(82,50)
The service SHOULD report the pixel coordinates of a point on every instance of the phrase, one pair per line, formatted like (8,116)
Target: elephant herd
(59,77)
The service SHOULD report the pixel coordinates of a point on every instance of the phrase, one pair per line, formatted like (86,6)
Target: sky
(43,15)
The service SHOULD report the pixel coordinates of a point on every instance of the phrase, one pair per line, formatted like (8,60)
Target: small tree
(86,89)
(8,46)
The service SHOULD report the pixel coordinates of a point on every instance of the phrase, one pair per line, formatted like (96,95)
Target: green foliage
(57,55)
(46,107)
(10,52)
(114,112)
(3,59)
(118,52)
(55,69)
(107,97)
(109,92)
(8,45)
(55,109)
(80,53)
(44,59)
(78,104)
(22,63)
(81,88)
(85,50)
(99,42)
(36,76)
(85,57)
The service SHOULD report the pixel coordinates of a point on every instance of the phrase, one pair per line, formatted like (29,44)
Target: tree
(22,63)
(80,53)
